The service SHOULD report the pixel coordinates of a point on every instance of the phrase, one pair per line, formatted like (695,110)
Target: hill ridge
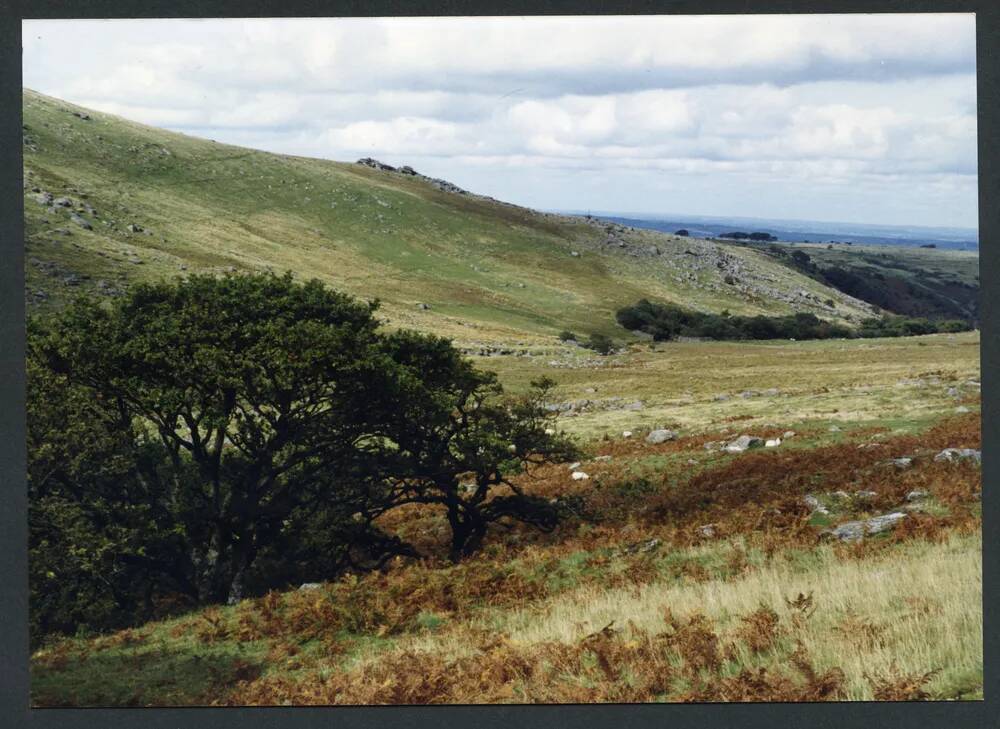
(146,203)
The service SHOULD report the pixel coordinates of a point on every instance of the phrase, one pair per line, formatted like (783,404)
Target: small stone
(852,531)
(788,434)
(917,495)
(580,476)
(953,455)
(660,436)
(573,466)
(626,434)
(743,443)
(772,442)
(310,586)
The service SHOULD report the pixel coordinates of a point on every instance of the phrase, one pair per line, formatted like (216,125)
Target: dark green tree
(234,433)
(258,390)
(457,441)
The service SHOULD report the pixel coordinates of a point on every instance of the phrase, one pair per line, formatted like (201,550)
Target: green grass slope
(150,204)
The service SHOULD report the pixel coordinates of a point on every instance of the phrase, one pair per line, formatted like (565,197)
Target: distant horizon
(670,216)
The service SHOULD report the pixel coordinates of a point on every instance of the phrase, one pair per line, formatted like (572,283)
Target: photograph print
(496,360)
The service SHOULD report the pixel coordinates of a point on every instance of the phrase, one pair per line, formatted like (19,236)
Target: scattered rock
(961,409)
(707,530)
(814,504)
(637,405)
(647,546)
(721,398)
(917,495)
(423,306)
(772,442)
(574,465)
(602,459)
(82,222)
(788,434)
(852,531)
(550,431)
(626,434)
(744,443)
(310,586)
(953,455)
(580,476)
(660,435)
(575,254)
(834,429)
(903,462)
(62,202)
(865,495)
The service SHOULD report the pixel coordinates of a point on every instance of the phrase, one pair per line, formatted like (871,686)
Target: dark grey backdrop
(14,709)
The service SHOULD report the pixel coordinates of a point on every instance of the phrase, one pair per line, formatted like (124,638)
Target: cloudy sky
(865,118)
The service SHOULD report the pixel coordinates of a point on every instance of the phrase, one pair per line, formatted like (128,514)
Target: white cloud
(876,107)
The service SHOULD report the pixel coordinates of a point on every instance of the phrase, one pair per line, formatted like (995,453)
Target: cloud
(884,104)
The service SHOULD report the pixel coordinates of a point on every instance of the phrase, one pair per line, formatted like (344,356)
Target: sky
(848,118)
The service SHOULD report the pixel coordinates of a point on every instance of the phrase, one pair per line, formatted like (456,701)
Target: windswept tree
(202,427)
(457,442)
(257,389)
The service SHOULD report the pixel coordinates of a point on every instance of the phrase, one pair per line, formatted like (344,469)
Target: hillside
(109,201)
(912,281)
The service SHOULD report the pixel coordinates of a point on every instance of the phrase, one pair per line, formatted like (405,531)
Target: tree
(190,431)
(259,392)
(456,441)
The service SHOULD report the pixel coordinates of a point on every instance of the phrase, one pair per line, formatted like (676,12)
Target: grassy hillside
(161,204)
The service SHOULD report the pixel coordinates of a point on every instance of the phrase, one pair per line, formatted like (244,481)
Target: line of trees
(668,321)
(215,437)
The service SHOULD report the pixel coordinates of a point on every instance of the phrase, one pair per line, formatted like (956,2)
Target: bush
(601,344)
(567,336)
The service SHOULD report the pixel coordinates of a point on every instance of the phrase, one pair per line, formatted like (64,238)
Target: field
(679,573)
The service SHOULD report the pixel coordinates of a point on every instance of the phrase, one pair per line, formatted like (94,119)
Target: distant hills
(963,239)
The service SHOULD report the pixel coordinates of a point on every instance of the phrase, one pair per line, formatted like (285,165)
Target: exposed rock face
(852,531)
(953,455)
(442,185)
(660,436)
